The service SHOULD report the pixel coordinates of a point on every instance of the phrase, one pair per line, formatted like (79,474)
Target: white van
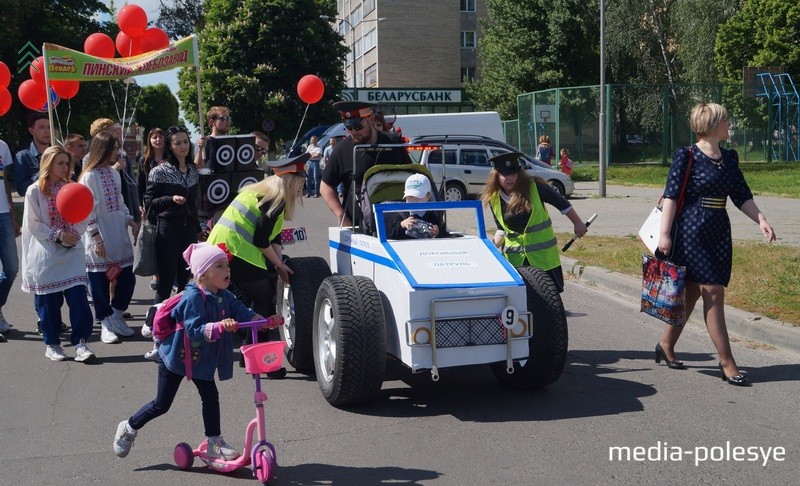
(482,123)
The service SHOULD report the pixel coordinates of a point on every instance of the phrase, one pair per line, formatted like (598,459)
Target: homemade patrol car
(430,303)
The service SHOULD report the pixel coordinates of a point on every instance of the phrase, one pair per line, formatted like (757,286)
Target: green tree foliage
(761,33)
(180,18)
(253,53)
(531,45)
(157,108)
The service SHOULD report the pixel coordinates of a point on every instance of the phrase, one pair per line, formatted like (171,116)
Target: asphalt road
(58,419)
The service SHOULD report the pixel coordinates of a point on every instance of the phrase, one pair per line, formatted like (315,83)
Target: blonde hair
(520,194)
(103,146)
(706,117)
(100,125)
(46,166)
(275,190)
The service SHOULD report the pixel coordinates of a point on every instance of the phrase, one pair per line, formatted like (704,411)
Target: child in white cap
(417,224)
(209,313)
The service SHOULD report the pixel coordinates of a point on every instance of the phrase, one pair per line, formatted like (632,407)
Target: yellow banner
(67,64)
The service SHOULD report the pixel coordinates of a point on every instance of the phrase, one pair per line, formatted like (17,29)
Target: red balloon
(99,45)
(65,89)
(37,70)
(153,39)
(5,101)
(5,75)
(128,46)
(32,94)
(74,201)
(132,19)
(310,89)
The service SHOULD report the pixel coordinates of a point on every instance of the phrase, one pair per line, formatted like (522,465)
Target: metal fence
(645,122)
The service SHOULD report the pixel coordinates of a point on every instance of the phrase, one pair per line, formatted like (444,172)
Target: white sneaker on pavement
(106,333)
(55,353)
(147,331)
(119,326)
(218,449)
(83,353)
(123,440)
(4,325)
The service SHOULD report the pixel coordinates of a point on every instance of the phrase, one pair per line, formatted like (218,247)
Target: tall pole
(602,121)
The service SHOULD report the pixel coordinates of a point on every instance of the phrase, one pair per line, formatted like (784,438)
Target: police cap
(506,163)
(294,165)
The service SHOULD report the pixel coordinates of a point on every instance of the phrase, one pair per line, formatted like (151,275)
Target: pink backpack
(164,325)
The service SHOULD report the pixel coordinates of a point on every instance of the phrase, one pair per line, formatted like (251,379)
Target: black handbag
(144,253)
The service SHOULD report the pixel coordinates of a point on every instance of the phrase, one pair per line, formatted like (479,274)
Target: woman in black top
(153,155)
(171,201)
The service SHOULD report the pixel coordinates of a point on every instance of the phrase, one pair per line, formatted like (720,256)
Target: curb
(745,324)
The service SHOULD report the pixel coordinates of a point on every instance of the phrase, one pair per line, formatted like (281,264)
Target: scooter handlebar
(268,323)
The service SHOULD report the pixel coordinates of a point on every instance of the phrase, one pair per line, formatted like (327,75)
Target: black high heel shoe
(660,354)
(738,380)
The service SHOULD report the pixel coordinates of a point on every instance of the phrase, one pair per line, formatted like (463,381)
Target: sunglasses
(358,126)
(225,118)
(260,149)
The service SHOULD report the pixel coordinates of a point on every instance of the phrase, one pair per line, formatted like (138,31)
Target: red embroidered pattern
(110,190)
(57,222)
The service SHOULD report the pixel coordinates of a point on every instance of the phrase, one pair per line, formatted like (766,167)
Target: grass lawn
(764,278)
(777,179)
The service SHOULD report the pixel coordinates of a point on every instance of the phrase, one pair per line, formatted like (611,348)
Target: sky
(170,78)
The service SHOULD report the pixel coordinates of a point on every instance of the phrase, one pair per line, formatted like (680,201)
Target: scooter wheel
(183,455)
(265,465)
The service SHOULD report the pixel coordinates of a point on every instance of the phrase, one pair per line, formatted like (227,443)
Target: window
(356,17)
(357,48)
(468,39)
(435,157)
(370,40)
(474,157)
(369,6)
(467,5)
(467,73)
(371,76)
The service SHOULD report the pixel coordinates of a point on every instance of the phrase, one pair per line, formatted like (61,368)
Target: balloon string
(114,98)
(69,113)
(301,124)
(58,123)
(125,105)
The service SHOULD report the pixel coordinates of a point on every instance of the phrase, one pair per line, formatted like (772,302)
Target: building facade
(413,46)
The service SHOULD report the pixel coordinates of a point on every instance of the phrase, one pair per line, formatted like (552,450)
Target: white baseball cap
(417,185)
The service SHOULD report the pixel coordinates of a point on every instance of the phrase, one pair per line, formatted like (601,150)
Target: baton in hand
(570,242)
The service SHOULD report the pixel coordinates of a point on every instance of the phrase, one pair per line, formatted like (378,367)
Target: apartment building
(412,54)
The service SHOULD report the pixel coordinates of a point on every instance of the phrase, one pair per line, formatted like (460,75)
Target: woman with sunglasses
(109,253)
(171,203)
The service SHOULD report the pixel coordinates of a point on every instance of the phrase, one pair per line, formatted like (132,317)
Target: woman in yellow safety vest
(251,229)
(524,231)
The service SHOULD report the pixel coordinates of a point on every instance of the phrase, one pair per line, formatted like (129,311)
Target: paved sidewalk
(622,212)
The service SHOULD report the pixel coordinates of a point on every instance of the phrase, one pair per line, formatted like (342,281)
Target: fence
(645,123)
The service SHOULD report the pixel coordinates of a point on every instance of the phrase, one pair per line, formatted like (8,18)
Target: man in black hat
(357,117)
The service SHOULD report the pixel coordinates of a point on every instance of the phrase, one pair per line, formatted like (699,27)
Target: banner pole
(199,94)
(49,100)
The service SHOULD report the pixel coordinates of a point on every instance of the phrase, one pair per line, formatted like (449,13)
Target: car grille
(475,331)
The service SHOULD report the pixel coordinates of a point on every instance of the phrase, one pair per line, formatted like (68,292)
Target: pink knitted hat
(200,257)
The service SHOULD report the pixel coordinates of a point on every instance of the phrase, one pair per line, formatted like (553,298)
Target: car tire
(558,186)
(349,340)
(453,191)
(549,340)
(295,302)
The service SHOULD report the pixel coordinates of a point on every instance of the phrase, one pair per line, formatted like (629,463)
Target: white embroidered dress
(48,267)
(110,216)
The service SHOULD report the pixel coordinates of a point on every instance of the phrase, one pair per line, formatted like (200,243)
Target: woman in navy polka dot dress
(702,236)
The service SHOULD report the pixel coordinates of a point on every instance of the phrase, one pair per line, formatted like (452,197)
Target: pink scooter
(258,358)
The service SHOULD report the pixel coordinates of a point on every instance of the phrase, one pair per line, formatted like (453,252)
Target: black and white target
(218,191)
(245,154)
(225,155)
(251,179)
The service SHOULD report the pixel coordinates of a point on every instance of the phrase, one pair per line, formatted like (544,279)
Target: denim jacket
(26,170)
(198,313)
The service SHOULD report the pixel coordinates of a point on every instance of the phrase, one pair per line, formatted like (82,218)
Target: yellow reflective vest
(237,227)
(537,244)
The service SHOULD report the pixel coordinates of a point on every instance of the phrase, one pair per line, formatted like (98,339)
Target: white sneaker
(106,334)
(4,325)
(152,354)
(218,449)
(147,331)
(55,353)
(82,352)
(119,326)
(123,440)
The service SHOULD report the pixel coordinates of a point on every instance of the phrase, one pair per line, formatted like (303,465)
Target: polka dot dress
(702,240)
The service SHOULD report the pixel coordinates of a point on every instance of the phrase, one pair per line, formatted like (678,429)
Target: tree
(63,22)
(532,45)
(252,63)
(157,108)
(181,17)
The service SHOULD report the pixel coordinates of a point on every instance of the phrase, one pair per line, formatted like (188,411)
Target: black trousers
(171,240)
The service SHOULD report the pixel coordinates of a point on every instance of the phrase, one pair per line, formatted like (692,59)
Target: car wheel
(349,340)
(558,186)
(296,305)
(548,344)
(453,191)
